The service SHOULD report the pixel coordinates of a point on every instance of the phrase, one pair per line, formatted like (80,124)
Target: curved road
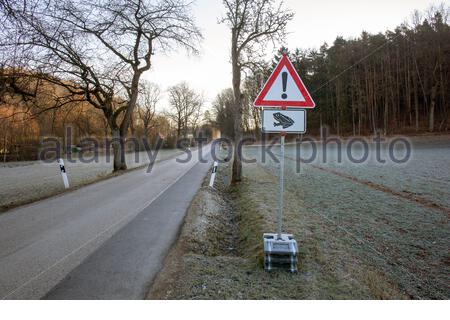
(103,241)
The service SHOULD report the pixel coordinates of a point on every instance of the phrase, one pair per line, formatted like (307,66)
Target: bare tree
(97,49)
(197,116)
(148,99)
(185,109)
(253,23)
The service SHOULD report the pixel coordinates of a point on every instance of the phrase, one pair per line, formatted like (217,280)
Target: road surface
(103,241)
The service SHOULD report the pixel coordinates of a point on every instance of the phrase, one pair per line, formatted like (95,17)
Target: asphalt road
(103,241)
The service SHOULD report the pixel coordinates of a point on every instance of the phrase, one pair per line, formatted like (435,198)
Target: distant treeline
(396,82)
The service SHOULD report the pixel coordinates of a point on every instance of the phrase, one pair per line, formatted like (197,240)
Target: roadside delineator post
(284,89)
(213,174)
(62,167)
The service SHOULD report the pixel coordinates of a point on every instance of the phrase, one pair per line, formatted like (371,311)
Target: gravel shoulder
(208,236)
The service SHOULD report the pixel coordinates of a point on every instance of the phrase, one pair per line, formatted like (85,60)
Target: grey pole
(281,195)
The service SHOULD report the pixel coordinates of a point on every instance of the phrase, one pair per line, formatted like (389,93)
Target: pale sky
(315,22)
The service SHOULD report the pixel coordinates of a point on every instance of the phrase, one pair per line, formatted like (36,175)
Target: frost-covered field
(22,182)
(393,218)
(426,175)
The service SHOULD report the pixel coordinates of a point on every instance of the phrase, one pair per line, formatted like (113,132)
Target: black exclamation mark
(285,77)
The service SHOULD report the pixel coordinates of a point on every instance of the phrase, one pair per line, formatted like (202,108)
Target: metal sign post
(281,195)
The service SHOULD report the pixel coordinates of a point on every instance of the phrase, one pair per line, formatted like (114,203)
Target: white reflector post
(213,174)
(63,173)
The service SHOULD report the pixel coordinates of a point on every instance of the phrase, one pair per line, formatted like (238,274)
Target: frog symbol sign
(286,121)
(283,120)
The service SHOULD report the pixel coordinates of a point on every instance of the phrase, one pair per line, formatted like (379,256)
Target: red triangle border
(285,62)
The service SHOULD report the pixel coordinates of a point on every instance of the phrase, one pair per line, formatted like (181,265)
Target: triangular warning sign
(284,88)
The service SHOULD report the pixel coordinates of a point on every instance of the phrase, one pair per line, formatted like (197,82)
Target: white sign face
(284,88)
(289,121)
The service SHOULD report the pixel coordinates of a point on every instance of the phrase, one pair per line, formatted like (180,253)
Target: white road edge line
(140,209)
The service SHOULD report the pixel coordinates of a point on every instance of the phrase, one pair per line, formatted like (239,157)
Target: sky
(315,22)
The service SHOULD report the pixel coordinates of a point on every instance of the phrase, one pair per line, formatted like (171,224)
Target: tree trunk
(374,103)
(338,109)
(237,163)
(416,103)
(5,139)
(386,108)
(132,129)
(321,127)
(386,117)
(120,134)
(255,114)
(118,145)
(443,90)
(131,104)
(432,108)
(408,91)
